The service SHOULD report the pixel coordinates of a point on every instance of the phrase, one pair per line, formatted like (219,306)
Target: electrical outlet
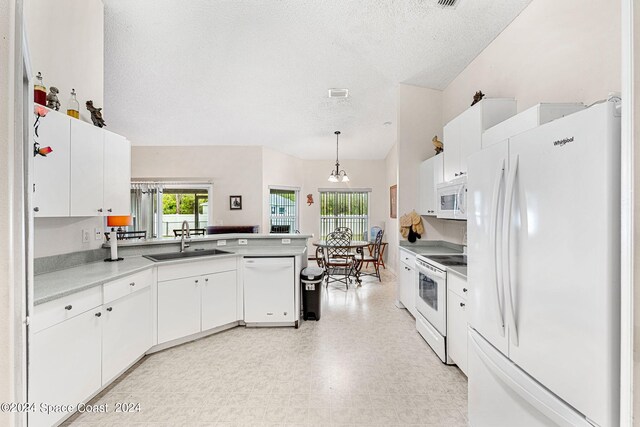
(222,243)
(97,232)
(286,241)
(242,241)
(85,236)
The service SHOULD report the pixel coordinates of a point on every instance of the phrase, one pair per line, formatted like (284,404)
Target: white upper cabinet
(117,174)
(51,173)
(88,173)
(429,177)
(87,169)
(463,135)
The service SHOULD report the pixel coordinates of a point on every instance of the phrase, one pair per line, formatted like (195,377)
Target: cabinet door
(426,186)
(219,300)
(269,290)
(457,330)
(51,173)
(87,166)
(178,308)
(117,174)
(126,332)
(471,135)
(64,364)
(452,149)
(407,286)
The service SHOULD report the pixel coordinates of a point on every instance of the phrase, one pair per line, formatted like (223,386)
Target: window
(159,207)
(284,210)
(344,209)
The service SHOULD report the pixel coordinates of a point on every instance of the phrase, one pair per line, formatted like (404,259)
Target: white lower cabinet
(126,332)
(178,308)
(65,365)
(188,305)
(219,296)
(407,281)
(457,321)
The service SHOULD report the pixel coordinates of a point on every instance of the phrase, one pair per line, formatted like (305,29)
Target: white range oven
(431,304)
(452,199)
(431,299)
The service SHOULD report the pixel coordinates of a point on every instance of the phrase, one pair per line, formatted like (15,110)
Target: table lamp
(116,221)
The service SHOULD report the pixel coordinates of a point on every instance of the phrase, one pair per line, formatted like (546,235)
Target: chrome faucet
(185,236)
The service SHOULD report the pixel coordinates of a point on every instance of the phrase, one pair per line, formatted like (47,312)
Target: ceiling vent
(338,93)
(448,4)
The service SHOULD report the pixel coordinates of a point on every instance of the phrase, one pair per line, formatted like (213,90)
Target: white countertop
(57,284)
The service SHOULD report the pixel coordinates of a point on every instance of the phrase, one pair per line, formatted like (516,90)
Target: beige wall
(392,232)
(234,170)
(554,51)
(66,42)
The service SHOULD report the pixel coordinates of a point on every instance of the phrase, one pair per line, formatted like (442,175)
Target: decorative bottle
(73,109)
(39,91)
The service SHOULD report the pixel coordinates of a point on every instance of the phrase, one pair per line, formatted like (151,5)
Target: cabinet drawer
(198,268)
(127,285)
(61,309)
(458,285)
(408,258)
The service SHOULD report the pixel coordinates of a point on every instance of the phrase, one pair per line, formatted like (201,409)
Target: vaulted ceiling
(240,72)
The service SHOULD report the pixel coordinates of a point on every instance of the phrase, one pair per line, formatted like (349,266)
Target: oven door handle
(430,273)
(495,206)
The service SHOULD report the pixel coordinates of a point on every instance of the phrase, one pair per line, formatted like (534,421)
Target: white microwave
(452,199)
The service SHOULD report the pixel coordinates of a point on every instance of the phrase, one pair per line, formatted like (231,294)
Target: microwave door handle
(506,248)
(460,209)
(495,206)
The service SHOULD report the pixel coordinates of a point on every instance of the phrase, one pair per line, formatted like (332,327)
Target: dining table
(354,245)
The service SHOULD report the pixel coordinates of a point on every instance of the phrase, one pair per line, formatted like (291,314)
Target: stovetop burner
(449,260)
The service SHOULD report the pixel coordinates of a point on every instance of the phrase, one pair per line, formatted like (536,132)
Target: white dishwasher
(269,290)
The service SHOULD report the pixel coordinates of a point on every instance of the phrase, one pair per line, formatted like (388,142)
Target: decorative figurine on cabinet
(96,115)
(52,98)
(477,97)
(437,145)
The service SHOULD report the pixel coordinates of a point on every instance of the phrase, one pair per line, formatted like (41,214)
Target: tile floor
(363,363)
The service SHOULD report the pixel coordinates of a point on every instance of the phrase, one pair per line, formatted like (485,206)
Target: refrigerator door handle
(494,242)
(506,248)
(523,385)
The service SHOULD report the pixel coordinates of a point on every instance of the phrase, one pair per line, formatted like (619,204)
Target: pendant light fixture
(338,175)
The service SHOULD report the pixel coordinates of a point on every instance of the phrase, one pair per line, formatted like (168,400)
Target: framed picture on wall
(393,201)
(235,203)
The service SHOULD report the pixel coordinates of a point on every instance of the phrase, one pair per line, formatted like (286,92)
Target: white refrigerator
(543,243)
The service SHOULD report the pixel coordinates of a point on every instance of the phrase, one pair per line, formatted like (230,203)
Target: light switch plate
(286,241)
(242,241)
(222,243)
(85,236)
(97,233)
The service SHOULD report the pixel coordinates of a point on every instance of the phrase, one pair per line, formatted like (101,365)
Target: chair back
(376,245)
(338,245)
(345,230)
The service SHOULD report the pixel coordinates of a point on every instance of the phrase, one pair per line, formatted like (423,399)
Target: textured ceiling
(243,72)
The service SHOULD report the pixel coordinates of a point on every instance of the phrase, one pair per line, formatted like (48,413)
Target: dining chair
(374,256)
(338,259)
(346,230)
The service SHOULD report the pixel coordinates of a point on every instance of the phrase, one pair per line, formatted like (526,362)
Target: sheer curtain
(144,206)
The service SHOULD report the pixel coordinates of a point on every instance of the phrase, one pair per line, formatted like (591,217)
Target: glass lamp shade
(119,221)
(345,178)
(333,178)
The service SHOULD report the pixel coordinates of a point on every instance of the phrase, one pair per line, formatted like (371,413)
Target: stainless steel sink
(181,255)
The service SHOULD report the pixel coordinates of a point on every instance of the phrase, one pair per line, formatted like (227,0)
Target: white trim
(344,190)
(626,209)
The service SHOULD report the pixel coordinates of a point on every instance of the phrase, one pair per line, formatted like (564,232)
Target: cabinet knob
(68,307)
(206,279)
(464,289)
(98,314)
(462,304)
(132,284)
(109,210)
(36,209)
(100,210)
(456,174)
(109,308)
(197,280)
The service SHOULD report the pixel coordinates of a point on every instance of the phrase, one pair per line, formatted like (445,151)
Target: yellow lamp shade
(119,221)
